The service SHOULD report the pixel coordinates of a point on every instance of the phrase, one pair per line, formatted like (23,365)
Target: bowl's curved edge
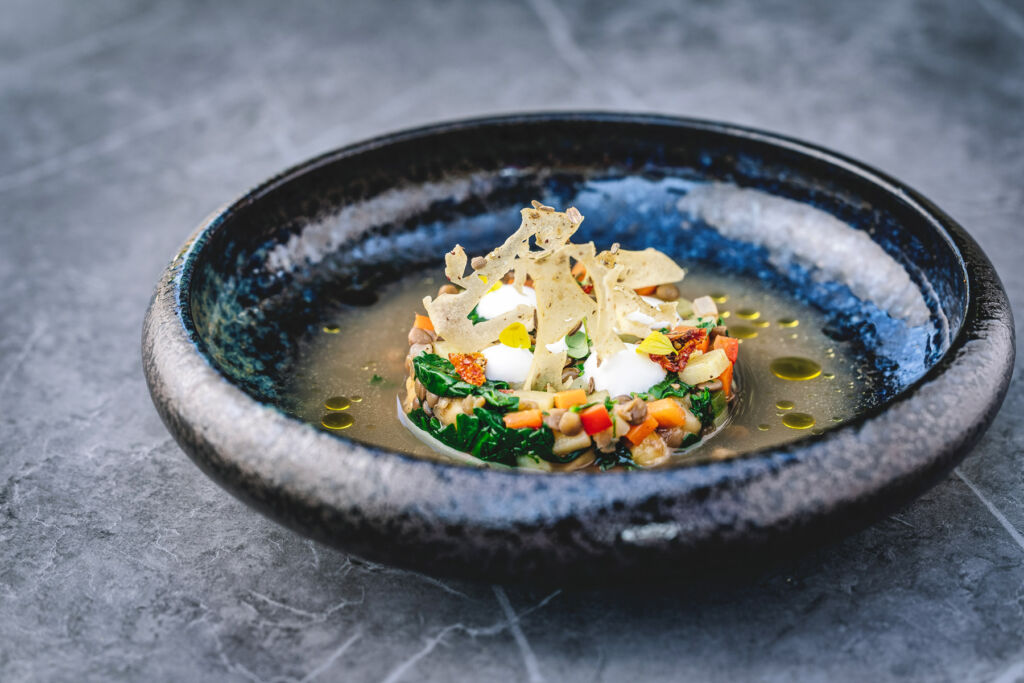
(397,509)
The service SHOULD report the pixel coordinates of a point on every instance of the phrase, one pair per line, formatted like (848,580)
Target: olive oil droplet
(798,421)
(788,322)
(828,375)
(724,314)
(748,313)
(337,421)
(795,368)
(356,399)
(762,323)
(837,419)
(764,427)
(742,332)
(785,405)
(332,329)
(337,403)
(719,298)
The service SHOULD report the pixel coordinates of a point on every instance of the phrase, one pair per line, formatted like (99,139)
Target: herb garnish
(578,344)
(475,317)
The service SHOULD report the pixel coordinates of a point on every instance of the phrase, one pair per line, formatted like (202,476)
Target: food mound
(559,357)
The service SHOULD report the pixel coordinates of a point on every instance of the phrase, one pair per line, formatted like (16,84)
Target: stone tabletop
(122,124)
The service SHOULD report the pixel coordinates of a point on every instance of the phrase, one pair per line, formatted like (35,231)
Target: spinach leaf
(620,456)
(485,436)
(490,392)
(475,317)
(664,388)
(439,377)
(700,405)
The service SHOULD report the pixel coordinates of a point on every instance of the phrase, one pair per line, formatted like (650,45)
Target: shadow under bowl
(891,271)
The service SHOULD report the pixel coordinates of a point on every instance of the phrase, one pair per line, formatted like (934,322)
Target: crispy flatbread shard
(561,303)
(645,268)
(449,312)
(561,307)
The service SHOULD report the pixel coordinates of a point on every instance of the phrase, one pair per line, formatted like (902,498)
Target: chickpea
(478,262)
(420,336)
(448,289)
(667,292)
(570,423)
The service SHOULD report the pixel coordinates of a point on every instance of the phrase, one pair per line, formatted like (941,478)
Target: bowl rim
(170,340)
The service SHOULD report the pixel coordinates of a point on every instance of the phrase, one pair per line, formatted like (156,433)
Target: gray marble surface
(122,124)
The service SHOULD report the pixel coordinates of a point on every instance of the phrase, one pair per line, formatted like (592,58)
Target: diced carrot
(638,433)
(570,398)
(647,291)
(521,419)
(667,412)
(730,345)
(579,271)
(423,322)
(595,419)
(702,344)
(726,378)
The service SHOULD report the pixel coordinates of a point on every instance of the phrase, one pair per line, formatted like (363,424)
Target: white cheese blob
(625,372)
(558,346)
(506,364)
(504,299)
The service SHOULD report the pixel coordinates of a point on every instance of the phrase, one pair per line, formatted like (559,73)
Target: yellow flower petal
(516,336)
(494,287)
(657,344)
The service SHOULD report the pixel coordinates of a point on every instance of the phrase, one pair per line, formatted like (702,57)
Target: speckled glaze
(222,319)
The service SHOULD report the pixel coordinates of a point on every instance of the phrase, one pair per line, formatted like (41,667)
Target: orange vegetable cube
(638,433)
(423,322)
(667,412)
(730,345)
(570,398)
(523,419)
(646,291)
(726,378)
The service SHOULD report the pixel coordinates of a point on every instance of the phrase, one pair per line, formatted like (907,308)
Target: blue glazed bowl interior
(332,233)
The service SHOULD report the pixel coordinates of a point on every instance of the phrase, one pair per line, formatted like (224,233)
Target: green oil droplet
(794,336)
(332,329)
(761,323)
(795,368)
(337,403)
(798,421)
(719,298)
(724,314)
(828,375)
(788,322)
(337,421)
(785,405)
(748,314)
(817,432)
(742,332)
(356,399)
(764,427)
(837,419)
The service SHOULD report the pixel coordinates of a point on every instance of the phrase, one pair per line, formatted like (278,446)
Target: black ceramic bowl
(223,327)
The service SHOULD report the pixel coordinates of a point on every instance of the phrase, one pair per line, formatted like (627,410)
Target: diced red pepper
(595,419)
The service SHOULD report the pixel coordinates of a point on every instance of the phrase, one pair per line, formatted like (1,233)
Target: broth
(792,379)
